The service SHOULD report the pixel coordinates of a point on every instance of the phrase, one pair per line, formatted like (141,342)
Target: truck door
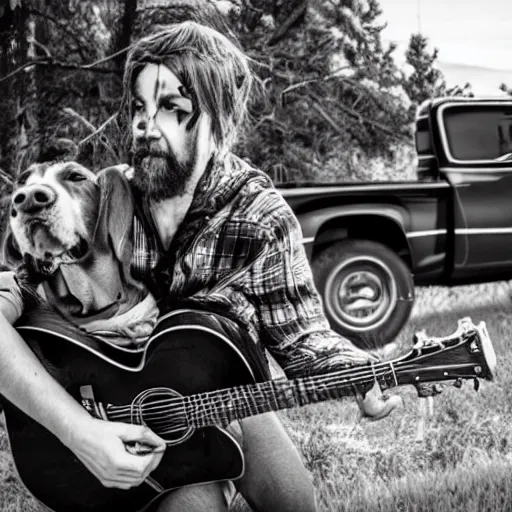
(474,141)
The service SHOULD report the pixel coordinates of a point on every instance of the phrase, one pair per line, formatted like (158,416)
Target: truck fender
(311,222)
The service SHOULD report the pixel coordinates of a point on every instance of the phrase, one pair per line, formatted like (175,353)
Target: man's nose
(32,199)
(148,128)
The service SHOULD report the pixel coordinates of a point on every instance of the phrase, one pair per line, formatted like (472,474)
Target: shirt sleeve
(279,284)
(11,299)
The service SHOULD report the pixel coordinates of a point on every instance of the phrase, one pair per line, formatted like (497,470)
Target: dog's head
(60,212)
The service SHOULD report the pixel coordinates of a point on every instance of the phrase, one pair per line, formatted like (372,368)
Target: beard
(157,174)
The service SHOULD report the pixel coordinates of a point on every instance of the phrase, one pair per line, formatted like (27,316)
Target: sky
(474,37)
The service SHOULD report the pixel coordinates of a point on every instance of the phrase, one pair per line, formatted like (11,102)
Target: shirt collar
(219,184)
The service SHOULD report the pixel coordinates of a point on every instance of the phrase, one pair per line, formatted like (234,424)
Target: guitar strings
(153,411)
(236,397)
(318,381)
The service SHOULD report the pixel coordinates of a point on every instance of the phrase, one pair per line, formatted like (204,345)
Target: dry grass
(463,462)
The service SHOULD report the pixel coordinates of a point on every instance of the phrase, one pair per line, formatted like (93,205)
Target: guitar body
(189,352)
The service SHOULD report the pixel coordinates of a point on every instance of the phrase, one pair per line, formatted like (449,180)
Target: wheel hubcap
(361,293)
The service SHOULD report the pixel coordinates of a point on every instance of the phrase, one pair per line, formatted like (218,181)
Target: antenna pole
(419,16)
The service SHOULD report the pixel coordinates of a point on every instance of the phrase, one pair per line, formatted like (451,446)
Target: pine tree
(425,81)
(13,52)
(333,87)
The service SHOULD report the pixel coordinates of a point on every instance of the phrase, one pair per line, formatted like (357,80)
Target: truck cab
(468,144)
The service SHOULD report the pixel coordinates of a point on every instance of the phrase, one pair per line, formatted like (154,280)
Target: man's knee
(197,498)
(276,478)
(296,495)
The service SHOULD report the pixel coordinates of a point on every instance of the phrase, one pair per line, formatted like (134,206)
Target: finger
(137,448)
(152,466)
(143,435)
(143,448)
(122,484)
(121,477)
(143,465)
(157,458)
(124,467)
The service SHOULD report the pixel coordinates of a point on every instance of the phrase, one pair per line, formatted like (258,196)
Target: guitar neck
(224,406)
(168,414)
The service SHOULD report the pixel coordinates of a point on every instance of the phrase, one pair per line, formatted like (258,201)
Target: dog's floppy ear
(115,221)
(11,255)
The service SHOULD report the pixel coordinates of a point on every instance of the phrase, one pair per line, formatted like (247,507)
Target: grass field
(462,462)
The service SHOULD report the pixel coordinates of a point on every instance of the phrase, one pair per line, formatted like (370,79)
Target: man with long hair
(213,230)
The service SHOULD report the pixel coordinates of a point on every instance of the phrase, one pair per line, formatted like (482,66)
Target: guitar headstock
(466,353)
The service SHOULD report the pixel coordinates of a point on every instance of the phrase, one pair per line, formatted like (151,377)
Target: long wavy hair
(213,68)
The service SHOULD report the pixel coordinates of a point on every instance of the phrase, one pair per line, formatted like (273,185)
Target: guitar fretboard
(223,407)
(167,412)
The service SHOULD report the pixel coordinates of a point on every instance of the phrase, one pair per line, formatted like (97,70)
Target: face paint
(195,107)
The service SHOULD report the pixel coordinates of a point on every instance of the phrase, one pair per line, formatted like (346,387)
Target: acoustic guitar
(196,375)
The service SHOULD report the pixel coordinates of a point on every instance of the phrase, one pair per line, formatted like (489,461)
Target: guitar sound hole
(163,411)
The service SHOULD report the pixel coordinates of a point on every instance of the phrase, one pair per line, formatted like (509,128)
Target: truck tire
(367,291)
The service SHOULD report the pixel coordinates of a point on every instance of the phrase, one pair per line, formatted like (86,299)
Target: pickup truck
(370,243)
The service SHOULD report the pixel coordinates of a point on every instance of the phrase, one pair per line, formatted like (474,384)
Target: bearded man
(211,229)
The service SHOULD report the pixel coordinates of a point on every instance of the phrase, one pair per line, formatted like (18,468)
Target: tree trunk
(127,23)
(74,103)
(13,50)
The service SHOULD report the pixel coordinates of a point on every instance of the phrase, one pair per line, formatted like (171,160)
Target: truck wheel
(367,290)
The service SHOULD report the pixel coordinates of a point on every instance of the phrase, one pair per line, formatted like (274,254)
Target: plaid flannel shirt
(239,249)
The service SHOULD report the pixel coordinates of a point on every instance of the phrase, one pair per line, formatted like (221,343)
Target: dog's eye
(75,176)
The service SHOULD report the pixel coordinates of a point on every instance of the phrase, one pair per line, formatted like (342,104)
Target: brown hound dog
(72,229)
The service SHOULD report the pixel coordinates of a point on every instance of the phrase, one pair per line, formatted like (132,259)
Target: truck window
(423,145)
(477,132)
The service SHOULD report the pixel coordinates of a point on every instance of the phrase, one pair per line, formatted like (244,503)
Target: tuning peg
(420,338)
(476,384)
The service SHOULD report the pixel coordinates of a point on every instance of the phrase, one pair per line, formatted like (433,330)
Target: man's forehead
(157,79)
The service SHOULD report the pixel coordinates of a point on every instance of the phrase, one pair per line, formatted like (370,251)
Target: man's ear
(115,224)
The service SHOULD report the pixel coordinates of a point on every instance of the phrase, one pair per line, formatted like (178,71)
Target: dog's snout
(33,198)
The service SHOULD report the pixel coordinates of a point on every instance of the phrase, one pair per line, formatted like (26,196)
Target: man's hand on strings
(104,449)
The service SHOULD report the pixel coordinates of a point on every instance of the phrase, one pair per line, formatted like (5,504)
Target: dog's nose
(33,198)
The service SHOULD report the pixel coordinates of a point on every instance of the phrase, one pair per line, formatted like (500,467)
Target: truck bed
(299,195)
